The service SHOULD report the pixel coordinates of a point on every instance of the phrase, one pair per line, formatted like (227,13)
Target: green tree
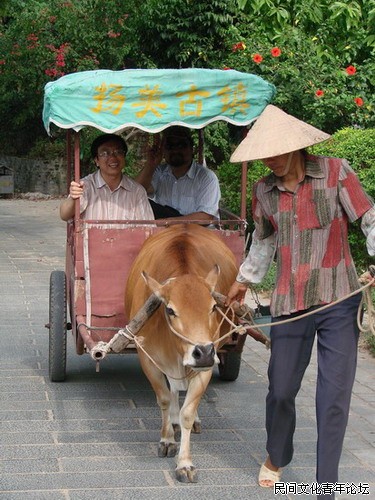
(43,40)
(40,40)
(186,33)
(4,4)
(313,83)
(334,23)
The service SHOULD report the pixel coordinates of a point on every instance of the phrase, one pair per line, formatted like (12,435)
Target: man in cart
(181,187)
(107,194)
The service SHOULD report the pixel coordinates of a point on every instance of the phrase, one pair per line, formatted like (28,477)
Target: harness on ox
(244,314)
(182,266)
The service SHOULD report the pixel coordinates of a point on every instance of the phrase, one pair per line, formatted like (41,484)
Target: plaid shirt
(310,231)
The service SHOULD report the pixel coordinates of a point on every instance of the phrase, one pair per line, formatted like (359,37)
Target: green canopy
(153,99)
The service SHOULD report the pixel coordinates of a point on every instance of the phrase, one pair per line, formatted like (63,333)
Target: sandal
(266,474)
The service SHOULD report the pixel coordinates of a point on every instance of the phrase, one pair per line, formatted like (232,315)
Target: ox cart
(100,253)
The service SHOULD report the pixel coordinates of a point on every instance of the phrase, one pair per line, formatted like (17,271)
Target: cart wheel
(57,326)
(229,366)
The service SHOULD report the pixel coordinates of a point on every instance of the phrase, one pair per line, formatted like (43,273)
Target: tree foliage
(324,68)
(186,33)
(314,84)
(43,40)
(334,23)
(320,55)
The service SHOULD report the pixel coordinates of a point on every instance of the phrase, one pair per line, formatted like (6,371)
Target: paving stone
(95,436)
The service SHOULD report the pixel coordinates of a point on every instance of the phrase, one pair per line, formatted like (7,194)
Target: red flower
(226,68)
(32,37)
(351,70)
(275,52)
(238,46)
(51,72)
(257,58)
(358,101)
(2,61)
(112,34)
(319,93)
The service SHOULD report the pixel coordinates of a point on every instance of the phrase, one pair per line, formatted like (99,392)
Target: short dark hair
(102,139)
(178,131)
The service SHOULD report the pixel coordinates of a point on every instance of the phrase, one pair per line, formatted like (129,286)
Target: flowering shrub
(257,58)
(238,46)
(312,83)
(275,52)
(44,41)
(351,70)
(325,79)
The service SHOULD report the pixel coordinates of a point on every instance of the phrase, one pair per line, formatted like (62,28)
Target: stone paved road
(94,437)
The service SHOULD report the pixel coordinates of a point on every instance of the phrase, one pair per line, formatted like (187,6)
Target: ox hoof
(197,428)
(176,430)
(187,475)
(167,450)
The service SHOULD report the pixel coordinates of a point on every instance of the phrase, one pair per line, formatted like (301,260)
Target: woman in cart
(108,194)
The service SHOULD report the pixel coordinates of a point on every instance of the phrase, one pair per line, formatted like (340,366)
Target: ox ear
(154,285)
(212,276)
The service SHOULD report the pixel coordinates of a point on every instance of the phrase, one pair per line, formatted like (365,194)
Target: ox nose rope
(182,337)
(125,335)
(138,340)
(368,305)
(241,330)
(236,328)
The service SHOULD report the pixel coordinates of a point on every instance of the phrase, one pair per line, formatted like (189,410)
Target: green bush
(229,175)
(47,148)
(358,147)
(354,144)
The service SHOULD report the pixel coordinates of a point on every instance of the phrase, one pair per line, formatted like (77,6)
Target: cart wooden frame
(99,254)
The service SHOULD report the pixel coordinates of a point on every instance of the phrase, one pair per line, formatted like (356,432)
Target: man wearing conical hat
(301,212)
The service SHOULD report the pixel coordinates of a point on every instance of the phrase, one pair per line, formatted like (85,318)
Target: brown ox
(182,265)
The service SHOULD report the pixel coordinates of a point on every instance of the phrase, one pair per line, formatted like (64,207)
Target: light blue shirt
(196,191)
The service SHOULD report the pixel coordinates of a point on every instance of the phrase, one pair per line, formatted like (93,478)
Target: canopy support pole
(77,175)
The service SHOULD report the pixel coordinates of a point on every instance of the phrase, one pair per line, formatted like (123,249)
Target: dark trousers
(163,211)
(291,346)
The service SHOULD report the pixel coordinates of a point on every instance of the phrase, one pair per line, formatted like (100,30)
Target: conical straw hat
(276,133)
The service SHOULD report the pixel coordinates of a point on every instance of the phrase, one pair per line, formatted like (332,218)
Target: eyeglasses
(114,152)
(176,144)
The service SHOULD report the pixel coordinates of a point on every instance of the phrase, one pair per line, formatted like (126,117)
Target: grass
(369,341)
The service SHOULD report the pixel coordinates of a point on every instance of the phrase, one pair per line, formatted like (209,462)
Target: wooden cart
(100,253)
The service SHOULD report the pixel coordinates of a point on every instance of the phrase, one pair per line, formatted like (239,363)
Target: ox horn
(154,285)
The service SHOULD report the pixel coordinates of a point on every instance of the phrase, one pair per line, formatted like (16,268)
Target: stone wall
(42,176)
